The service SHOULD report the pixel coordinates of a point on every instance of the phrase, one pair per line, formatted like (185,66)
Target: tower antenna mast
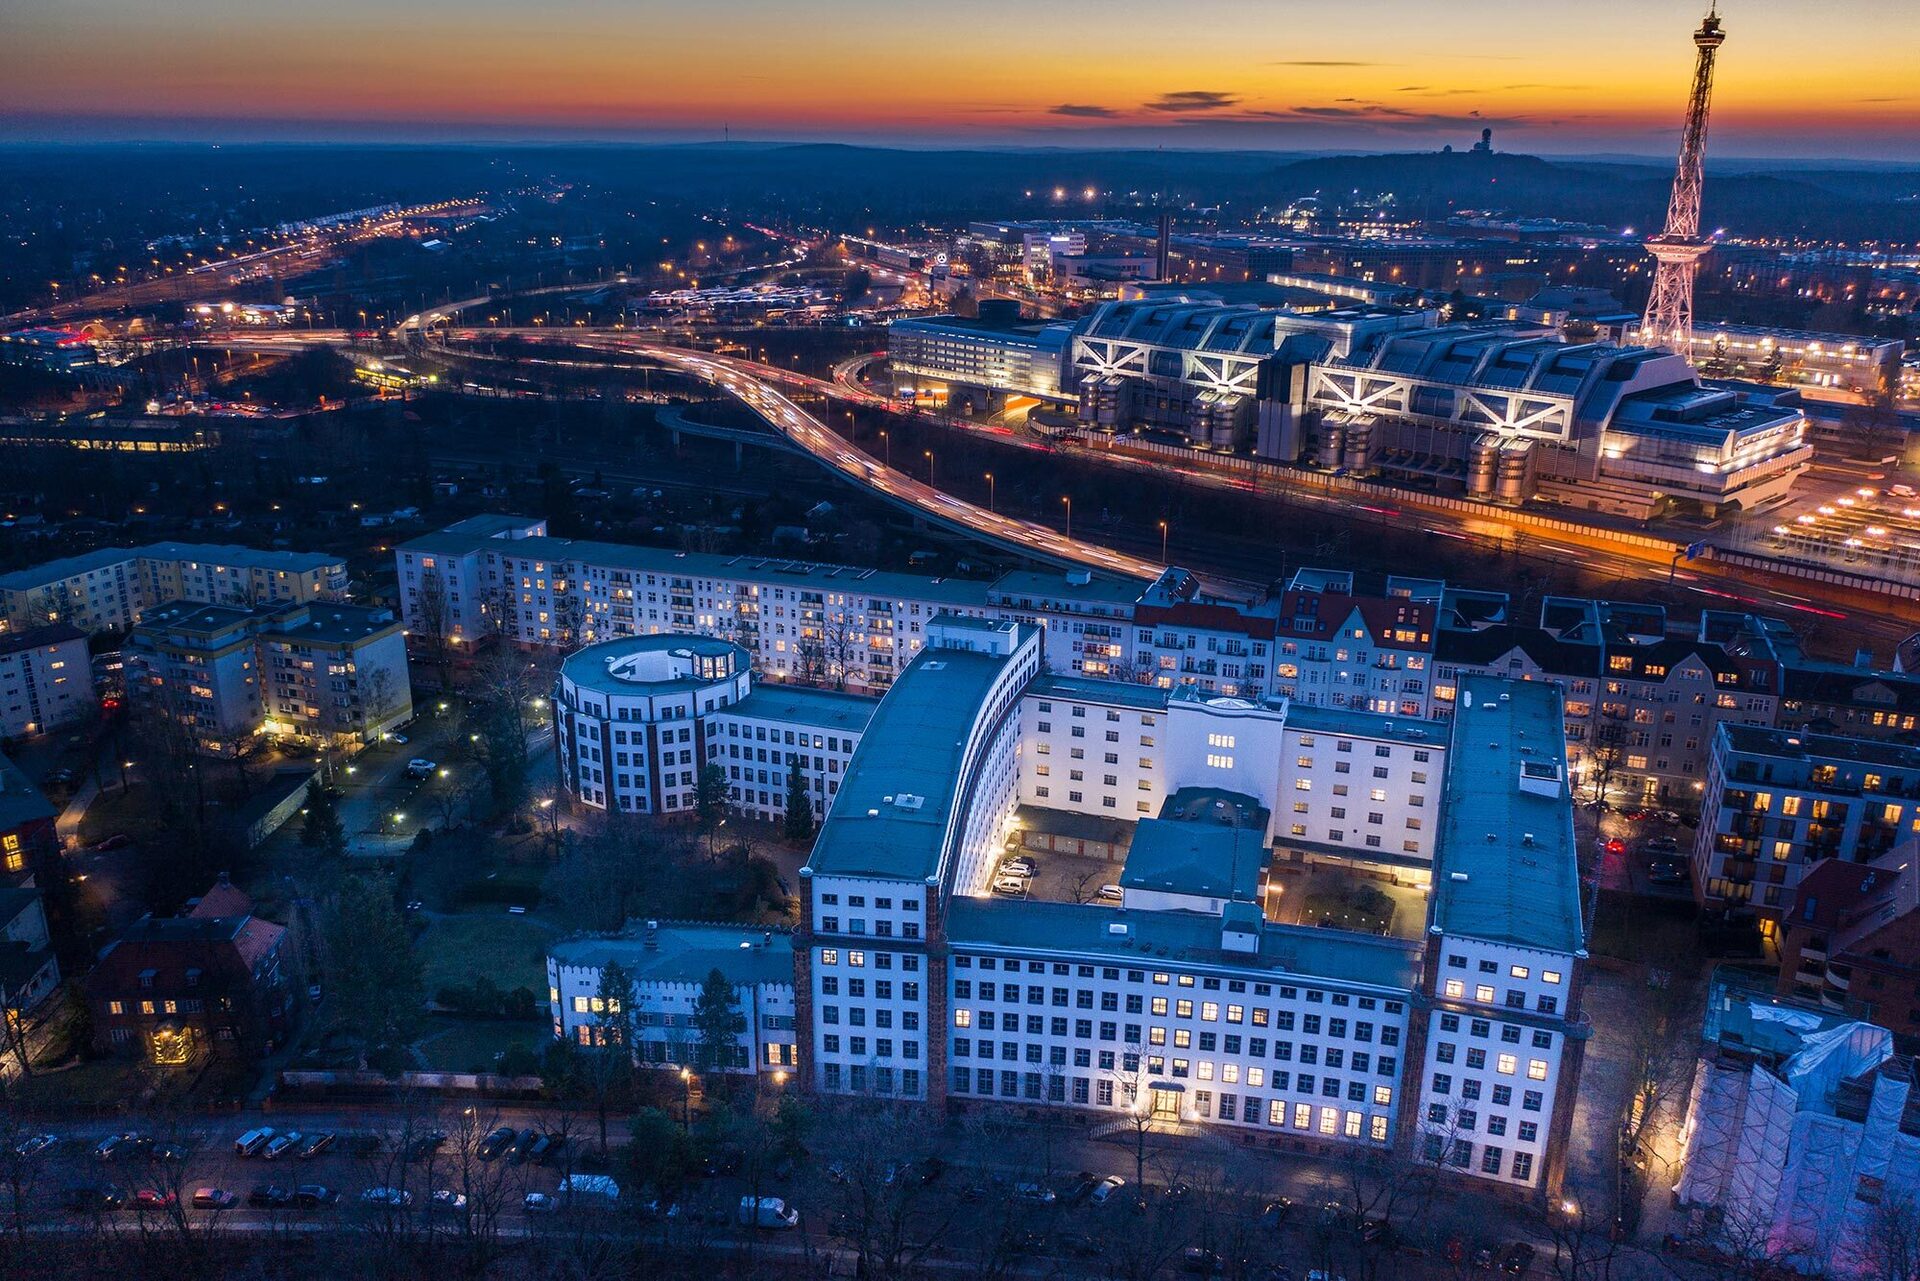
(1678,248)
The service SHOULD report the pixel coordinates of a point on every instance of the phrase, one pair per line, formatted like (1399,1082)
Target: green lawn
(469,1045)
(510,950)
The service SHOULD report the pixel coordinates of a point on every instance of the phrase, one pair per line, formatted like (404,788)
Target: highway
(1877,620)
(191,283)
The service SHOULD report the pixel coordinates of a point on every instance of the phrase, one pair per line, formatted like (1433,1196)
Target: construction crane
(1678,248)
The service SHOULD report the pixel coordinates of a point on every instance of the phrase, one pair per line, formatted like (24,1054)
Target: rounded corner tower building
(636,719)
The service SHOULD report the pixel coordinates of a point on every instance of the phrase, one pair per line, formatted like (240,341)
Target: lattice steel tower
(1677,250)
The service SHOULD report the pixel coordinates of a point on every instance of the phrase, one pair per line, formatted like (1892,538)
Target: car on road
(59,778)
(496,1143)
(1615,846)
(252,1141)
(154,1199)
(281,1144)
(1111,894)
(1179,1190)
(448,1200)
(1201,1262)
(1108,1188)
(424,1146)
(420,767)
(269,1196)
(1660,845)
(314,1196)
(537,1203)
(1080,1189)
(34,1145)
(1018,865)
(381,1195)
(1010,886)
(1082,1244)
(1517,1258)
(1034,1193)
(214,1199)
(397,738)
(316,1144)
(89,1197)
(110,1147)
(1275,1213)
(522,1150)
(1667,873)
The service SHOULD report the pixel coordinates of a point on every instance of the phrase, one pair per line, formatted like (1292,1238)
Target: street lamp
(929,457)
(989,491)
(1069,502)
(886,449)
(686,1105)
(1163,542)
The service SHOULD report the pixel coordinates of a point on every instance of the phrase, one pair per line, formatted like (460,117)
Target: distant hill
(1836,204)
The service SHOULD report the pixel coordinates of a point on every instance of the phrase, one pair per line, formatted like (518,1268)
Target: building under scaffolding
(1802,1134)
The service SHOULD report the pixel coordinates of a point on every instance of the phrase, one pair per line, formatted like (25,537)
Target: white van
(252,1141)
(767,1212)
(587,1189)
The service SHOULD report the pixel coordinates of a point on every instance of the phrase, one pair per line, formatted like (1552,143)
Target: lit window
(1536,1069)
(1507,1064)
(1456,988)
(1518,971)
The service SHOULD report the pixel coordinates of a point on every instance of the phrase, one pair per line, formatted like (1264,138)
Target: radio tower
(1677,250)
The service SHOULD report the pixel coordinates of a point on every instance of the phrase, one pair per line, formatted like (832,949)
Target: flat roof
(1157,939)
(1042,587)
(890,818)
(35,637)
(1088,689)
(331,622)
(1200,859)
(1506,867)
(588,668)
(687,952)
(193,616)
(1799,745)
(1358,724)
(797,705)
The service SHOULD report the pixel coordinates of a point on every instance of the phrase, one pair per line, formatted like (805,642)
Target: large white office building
(1187,998)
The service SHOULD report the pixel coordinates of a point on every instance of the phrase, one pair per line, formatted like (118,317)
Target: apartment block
(46,680)
(224,673)
(1778,802)
(111,589)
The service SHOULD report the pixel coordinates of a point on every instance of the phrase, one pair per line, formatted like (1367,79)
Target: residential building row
(1643,698)
(1192,997)
(109,590)
(222,673)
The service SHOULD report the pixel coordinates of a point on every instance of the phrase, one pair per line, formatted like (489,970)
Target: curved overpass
(828,449)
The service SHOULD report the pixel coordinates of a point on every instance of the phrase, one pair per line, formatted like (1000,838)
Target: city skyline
(1387,75)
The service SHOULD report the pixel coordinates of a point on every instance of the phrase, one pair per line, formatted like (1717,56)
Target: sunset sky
(1798,78)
